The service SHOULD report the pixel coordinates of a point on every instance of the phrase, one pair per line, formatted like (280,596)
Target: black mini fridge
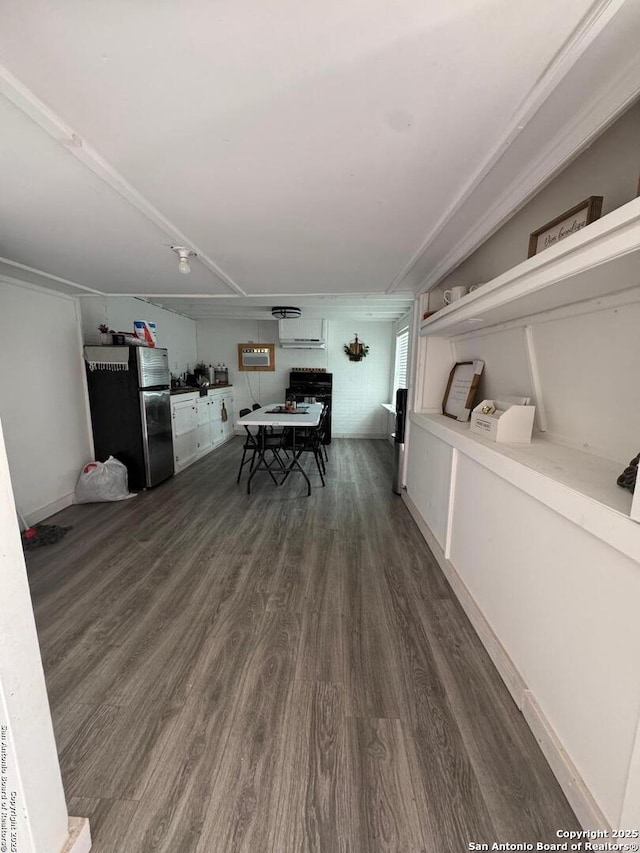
(398,439)
(131,410)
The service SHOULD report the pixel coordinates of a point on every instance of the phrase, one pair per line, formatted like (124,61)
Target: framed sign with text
(565,225)
(460,394)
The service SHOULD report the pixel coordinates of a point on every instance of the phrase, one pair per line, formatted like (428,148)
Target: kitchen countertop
(199,390)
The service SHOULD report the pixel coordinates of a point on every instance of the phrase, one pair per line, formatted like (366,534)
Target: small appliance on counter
(218,375)
(221,375)
(129,396)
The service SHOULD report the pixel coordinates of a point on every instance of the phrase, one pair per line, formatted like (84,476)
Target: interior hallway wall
(42,397)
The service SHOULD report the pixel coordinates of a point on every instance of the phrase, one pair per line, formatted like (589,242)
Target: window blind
(401,362)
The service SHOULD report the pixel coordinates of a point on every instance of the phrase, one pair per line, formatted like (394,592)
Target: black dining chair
(323,426)
(272,430)
(250,445)
(308,440)
(321,437)
(253,444)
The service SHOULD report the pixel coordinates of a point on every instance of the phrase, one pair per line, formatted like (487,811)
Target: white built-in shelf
(600,259)
(577,485)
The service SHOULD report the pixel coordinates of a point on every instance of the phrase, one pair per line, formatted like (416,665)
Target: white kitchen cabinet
(184,420)
(198,425)
(539,543)
(227,425)
(205,425)
(222,415)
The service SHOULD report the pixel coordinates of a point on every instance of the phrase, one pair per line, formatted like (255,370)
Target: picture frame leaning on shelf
(565,225)
(462,386)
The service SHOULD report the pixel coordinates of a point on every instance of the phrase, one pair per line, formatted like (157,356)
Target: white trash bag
(103,481)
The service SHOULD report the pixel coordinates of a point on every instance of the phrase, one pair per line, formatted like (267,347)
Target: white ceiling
(353,149)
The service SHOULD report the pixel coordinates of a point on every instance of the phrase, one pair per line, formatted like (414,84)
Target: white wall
(175,332)
(32,772)
(585,367)
(42,397)
(358,387)
(609,167)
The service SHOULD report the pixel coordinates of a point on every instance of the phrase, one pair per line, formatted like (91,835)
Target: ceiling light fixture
(184,254)
(285,312)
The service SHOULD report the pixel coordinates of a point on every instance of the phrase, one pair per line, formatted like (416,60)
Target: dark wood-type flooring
(274,674)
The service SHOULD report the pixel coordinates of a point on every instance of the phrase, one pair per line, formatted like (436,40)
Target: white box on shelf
(503,420)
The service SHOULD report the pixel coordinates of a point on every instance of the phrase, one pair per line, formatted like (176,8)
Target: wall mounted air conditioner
(303,334)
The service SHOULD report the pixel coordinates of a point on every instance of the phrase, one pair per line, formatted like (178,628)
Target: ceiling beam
(61,132)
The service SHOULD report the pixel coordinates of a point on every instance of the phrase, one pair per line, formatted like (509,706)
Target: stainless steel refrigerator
(131,411)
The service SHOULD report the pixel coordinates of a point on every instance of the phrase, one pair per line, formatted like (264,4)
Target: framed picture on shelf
(565,225)
(460,394)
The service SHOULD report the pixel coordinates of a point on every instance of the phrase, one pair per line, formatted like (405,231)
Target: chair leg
(319,463)
(244,453)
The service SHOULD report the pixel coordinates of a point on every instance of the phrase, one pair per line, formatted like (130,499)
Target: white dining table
(274,415)
(267,417)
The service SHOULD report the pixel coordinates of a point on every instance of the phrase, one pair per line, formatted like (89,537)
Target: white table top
(261,417)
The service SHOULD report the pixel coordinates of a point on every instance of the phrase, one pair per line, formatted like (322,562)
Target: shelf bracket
(536,384)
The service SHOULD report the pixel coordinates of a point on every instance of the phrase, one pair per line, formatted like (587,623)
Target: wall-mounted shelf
(600,259)
(577,485)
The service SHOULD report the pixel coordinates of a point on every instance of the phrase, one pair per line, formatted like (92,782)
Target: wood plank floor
(275,673)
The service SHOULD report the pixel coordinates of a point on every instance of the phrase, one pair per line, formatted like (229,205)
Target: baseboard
(585,807)
(375,435)
(582,802)
(79,838)
(50,509)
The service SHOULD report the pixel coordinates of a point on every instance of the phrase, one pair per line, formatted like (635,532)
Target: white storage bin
(509,421)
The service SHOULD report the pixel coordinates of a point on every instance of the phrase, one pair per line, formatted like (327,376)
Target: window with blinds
(400,373)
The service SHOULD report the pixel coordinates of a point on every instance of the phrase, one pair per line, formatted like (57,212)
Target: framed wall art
(460,394)
(565,225)
(256,357)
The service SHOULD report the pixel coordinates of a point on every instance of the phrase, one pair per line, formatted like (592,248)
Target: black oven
(307,385)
